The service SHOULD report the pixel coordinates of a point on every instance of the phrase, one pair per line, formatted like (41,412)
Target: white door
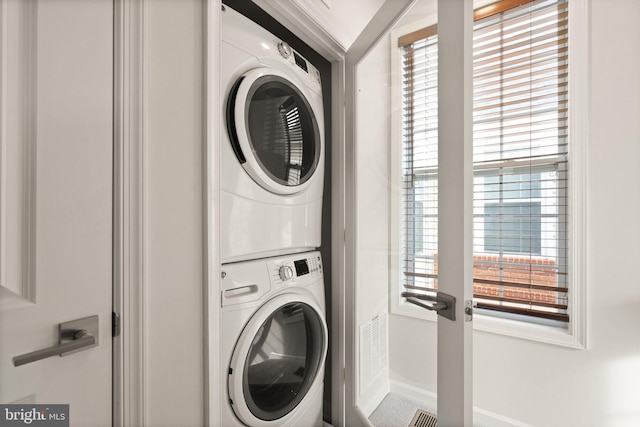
(373,210)
(56,201)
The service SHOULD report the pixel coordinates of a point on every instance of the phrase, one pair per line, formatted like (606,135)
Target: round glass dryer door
(274,131)
(277,360)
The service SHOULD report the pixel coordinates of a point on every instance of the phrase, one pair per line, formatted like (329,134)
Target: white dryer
(272,151)
(273,341)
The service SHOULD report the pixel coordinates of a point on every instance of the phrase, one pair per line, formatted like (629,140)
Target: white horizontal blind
(520,160)
(420,164)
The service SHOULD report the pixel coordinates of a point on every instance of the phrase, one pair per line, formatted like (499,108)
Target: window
(521,160)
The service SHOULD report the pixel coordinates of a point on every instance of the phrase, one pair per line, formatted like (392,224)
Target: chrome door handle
(73,336)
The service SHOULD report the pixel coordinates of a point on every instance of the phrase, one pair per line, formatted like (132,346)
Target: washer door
(278,358)
(273,130)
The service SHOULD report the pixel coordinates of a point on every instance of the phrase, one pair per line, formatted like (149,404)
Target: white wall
(373,181)
(546,385)
(344,20)
(173,213)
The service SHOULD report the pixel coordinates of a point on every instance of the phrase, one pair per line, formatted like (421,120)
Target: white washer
(273,341)
(272,150)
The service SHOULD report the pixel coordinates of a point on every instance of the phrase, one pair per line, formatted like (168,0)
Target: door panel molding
(129,294)
(18,94)
(213,390)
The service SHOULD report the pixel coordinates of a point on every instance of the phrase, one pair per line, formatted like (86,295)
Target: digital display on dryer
(300,62)
(302,267)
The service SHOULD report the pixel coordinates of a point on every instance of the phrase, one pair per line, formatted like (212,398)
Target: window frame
(574,335)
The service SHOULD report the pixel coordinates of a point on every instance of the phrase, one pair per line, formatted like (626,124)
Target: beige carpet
(396,411)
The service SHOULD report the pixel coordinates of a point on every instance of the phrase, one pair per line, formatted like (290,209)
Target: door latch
(468,310)
(115,324)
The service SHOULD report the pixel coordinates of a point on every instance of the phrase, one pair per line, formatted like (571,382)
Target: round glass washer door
(277,360)
(274,131)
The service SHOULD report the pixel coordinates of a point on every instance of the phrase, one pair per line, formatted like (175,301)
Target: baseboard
(369,401)
(481,417)
(426,398)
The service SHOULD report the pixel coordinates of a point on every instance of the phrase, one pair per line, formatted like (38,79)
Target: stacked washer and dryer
(273,323)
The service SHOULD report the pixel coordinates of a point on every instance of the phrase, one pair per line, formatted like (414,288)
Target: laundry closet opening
(259,16)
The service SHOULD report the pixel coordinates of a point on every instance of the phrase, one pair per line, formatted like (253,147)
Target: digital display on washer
(302,267)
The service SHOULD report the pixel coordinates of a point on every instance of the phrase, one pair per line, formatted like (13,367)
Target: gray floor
(396,411)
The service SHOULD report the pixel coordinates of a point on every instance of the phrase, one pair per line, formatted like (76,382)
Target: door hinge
(115,324)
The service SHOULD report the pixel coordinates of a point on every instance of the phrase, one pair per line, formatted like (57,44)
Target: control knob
(284,49)
(285,272)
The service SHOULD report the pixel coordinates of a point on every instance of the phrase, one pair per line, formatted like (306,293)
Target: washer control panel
(296,269)
(285,272)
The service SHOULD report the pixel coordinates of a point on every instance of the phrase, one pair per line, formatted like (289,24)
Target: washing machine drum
(277,360)
(273,130)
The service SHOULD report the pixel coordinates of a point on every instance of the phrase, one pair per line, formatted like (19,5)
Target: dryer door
(274,130)
(278,361)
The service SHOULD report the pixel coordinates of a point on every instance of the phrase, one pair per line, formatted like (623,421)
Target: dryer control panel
(303,68)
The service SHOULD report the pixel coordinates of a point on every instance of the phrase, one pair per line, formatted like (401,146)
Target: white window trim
(575,335)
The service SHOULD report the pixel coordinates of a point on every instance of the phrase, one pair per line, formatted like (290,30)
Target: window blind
(521,159)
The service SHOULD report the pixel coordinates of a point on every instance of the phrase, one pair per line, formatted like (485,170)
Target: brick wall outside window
(516,269)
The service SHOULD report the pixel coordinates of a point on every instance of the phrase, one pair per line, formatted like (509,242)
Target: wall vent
(373,349)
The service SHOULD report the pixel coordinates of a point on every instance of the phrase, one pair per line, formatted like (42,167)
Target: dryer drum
(281,127)
(283,361)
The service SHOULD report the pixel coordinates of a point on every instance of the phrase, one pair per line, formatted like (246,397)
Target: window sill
(508,327)
(529,331)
